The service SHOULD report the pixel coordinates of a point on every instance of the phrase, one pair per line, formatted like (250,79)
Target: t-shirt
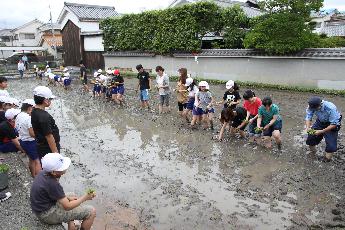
(83,72)
(163,81)
(252,108)
(119,79)
(241,115)
(144,80)
(205,98)
(267,116)
(44,124)
(23,124)
(45,192)
(103,79)
(3,92)
(231,97)
(7,132)
(182,97)
(193,91)
(2,116)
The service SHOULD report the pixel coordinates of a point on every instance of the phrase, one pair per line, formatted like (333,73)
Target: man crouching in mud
(327,125)
(48,199)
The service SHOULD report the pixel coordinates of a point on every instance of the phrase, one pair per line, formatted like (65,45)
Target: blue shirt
(327,113)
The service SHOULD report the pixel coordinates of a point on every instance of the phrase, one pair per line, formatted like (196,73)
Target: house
(27,34)
(6,37)
(250,7)
(81,36)
(51,39)
(331,24)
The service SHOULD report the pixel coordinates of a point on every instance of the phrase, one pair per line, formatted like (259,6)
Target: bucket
(3,180)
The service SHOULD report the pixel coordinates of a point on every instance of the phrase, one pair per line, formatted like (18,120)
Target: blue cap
(314,102)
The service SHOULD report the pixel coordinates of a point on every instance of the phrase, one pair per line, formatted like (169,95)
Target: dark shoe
(4,196)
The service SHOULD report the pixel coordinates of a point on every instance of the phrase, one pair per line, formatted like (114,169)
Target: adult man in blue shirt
(327,125)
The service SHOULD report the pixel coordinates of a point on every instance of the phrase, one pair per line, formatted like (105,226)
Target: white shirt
(193,91)
(21,66)
(103,79)
(3,92)
(23,123)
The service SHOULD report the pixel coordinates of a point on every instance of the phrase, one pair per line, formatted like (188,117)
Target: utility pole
(54,40)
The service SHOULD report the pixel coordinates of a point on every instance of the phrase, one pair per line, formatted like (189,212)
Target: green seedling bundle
(90,191)
(258,130)
(311,131)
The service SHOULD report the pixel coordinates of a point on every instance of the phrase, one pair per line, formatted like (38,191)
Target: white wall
(320,73)
(93,43)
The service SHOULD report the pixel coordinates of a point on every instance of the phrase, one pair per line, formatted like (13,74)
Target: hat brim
(228,87)
(65,165)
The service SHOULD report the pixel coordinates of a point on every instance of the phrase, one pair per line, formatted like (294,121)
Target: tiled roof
(47,26)
(332,53)
(248,10)
(91,12)
(5,32)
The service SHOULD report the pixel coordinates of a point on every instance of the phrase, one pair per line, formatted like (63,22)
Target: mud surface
(151,171)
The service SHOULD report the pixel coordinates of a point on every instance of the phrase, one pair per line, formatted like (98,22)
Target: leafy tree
(236,24)
(280,33)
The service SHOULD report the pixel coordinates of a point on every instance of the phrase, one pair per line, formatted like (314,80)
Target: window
(318,25)
(27,36)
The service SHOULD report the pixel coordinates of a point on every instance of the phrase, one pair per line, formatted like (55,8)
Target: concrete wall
(93,43)
(321,73)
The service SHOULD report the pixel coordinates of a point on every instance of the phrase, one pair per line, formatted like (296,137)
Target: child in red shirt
(251,104)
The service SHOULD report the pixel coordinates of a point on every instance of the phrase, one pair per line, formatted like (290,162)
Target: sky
(14,13)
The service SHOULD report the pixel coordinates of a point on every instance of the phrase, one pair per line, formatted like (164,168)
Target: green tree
(280,33)
(235,26)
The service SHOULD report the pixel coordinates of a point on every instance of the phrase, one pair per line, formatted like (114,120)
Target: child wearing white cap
(66,80)
(231,96)
(192,89)
(9,141)
(50,203)
(203,106)
(46,131)
(27,136)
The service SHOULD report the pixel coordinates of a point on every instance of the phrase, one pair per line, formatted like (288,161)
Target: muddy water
(151,172)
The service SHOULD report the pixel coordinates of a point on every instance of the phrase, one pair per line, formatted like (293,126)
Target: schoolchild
(252,104)
(237,119)
(192,89)
(182,92)
(231,96)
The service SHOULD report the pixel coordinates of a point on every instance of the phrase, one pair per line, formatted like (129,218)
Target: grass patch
(261,85)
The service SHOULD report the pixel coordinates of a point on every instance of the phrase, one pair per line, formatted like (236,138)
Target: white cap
(95,74)
(47,66)
(230,84)
(203,83)
(11,100)
(100,71)
(11,113)
(109,71)
(66,74)
(207,86)
(43,91)
(189,81)
(65,69)
(34,66)
(55,162)
(3,99)
(29,101)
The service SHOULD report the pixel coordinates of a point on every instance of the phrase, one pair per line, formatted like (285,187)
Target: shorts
(278,125)
(8,147)
(144,95)
(121,89)
(164,99)
(30,148)
(67,82)
(190,103)
(199,111)
(57,214)
(113,90)
(97,88)
(331,137)
(56,78)
(42,150)
(181,106)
